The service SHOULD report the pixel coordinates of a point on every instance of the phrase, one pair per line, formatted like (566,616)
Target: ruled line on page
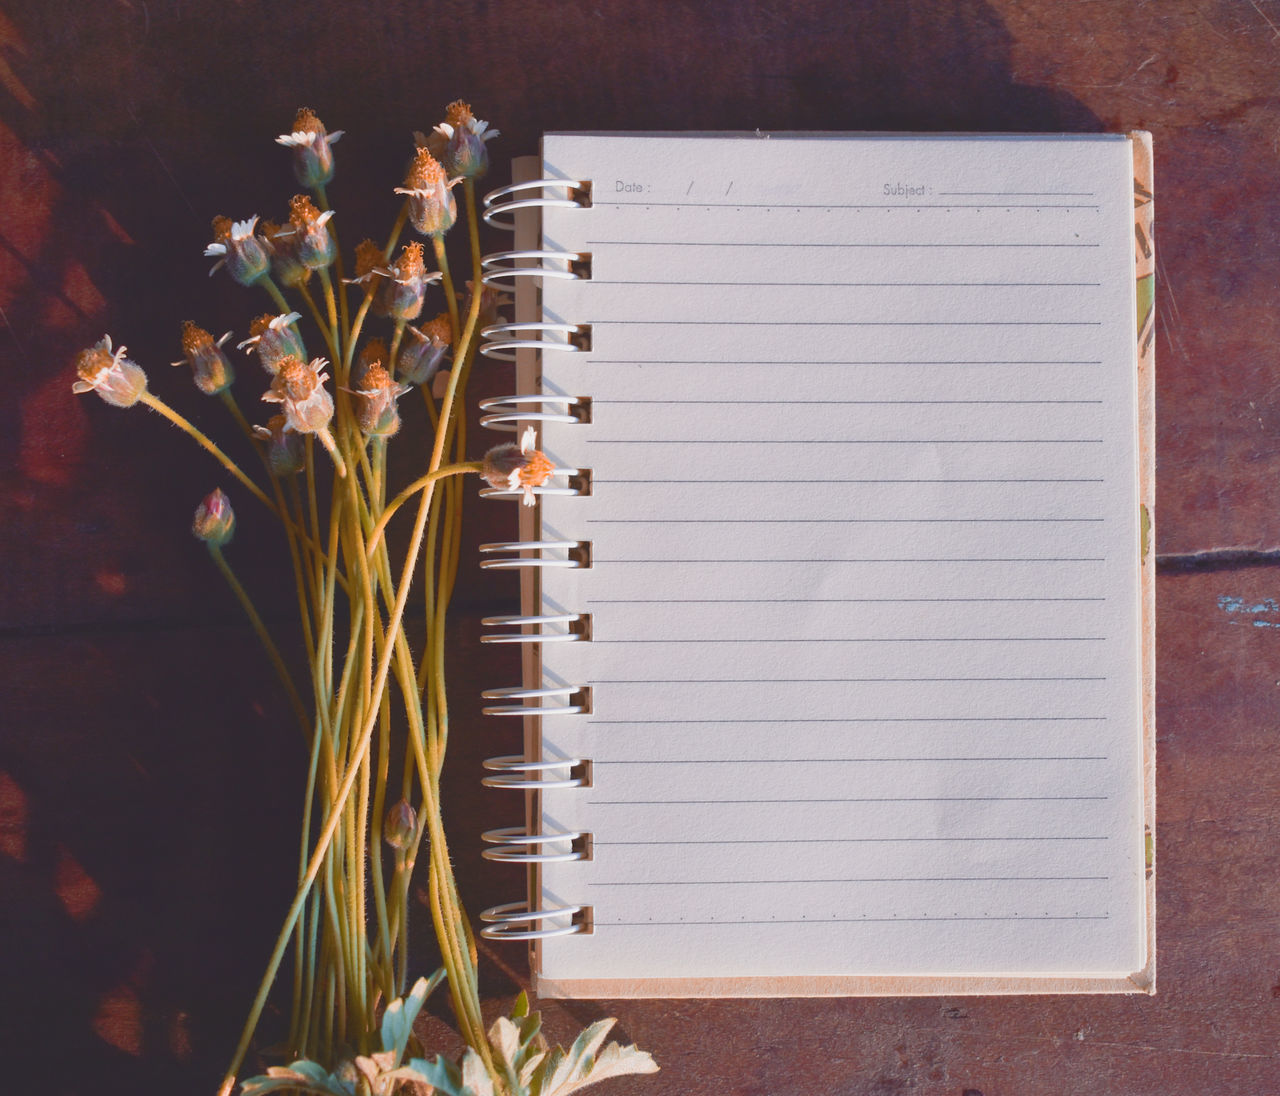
(845,441)
(840,521)
(817,680)
(857,285)
(844,760)
(831,207)
(599,321)
(1016,193)
(805,362)
(799,246)
(850,840)
(877,559)
(819,600)
(818,921)
(854,879)
(855,799)
(711,641)
(985,720)
(810,479)
(849,403)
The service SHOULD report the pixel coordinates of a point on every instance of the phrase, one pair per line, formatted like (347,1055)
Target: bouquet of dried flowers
(374,713)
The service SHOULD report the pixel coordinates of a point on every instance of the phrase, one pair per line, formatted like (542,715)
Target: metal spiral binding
(504,342)
(512,844)
(499,921)
(505,412)
(577,631)
(506,200)
(504,266)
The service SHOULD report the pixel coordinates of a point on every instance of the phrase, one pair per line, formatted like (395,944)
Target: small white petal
(528,439)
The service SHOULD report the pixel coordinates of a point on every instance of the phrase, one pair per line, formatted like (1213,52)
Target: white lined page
(864,650)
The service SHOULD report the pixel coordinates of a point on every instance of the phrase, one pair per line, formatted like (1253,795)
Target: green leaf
(442,1075)
(399,1015)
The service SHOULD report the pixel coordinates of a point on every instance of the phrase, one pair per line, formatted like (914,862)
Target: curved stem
(158,405)
(276,295)
(417,485)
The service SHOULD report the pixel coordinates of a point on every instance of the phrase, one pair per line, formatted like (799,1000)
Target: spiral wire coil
(503,342)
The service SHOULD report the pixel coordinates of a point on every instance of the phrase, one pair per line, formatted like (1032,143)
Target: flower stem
(417,485)
(273,652)
(158,405)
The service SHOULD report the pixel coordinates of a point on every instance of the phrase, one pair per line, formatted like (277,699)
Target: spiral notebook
(837,614)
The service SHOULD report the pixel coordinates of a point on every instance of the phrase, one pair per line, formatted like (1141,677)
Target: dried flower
(283,243)
(242,252)
(401,826)
(315,244)
(275,338)
(209,365)
(517,467)
(376,401)
(401,296)
(299,387)
(369,266)
(432,209)
(458,142)
(109,373)
(312,155)
(285,453)
(422,355)
(215,522)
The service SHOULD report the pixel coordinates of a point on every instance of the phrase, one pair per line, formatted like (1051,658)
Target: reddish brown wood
(149,774)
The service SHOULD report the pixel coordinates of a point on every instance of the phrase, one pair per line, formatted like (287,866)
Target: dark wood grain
(149,773)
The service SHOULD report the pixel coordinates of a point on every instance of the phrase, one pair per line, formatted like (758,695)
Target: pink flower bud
(214,521)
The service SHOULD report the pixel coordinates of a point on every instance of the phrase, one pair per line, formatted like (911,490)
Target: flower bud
(401,826)
(423,353)
(214,521)
(512,467)
(312,156)
(376,402)
(275,338)
(287,266)
(241,251)
(432,209)
(286,454)
(109,373)
(315,244)
(209,365)
(369,267)
(459,142)
(400,297)
(299,387)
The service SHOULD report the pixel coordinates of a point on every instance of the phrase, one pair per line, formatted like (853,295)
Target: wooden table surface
(149,775)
